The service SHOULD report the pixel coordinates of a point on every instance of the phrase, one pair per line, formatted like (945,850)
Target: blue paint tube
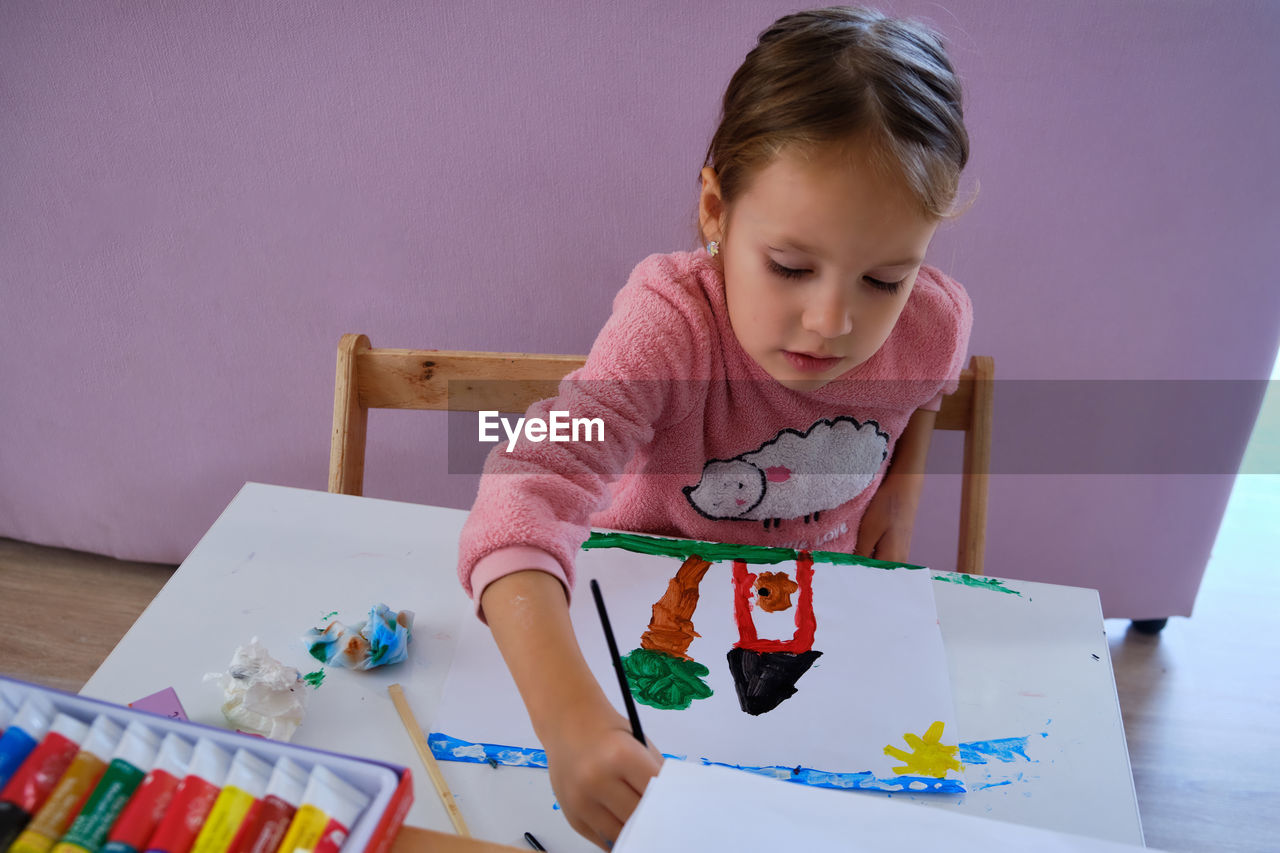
(28,728)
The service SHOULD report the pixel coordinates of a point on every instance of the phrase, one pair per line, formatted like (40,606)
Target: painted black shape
(764,680)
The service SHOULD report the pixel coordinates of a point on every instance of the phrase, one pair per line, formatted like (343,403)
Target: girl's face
(820,253)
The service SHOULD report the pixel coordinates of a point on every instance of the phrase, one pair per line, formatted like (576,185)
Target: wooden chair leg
(350,421)
(977,464)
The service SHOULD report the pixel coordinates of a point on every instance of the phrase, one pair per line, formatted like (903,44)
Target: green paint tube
(143,813)
(130,763)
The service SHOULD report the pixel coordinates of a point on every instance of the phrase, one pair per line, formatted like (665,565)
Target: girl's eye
(785,272)
(886,286)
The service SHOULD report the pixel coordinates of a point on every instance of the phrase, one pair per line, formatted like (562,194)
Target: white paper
(882,673)
(695,808)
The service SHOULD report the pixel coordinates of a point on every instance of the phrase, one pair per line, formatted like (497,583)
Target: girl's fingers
(598,825)
(579,826)
(869,534)
(894,546)
(588,832)
(637,774)
(619,799)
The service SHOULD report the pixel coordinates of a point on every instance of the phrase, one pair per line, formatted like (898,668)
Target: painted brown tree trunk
(671,628)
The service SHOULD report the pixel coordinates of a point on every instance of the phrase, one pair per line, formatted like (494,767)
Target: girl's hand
(885,530)
(598,771)
(887,524)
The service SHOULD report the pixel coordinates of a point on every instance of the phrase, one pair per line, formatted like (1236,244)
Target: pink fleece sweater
(699,441)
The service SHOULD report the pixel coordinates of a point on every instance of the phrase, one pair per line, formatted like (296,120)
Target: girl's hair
(844,75)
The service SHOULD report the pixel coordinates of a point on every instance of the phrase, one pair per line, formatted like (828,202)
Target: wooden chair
(371,378)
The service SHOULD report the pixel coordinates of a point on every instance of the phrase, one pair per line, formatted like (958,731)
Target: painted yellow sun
(928,756)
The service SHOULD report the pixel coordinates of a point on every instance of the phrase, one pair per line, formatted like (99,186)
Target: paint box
(388,786)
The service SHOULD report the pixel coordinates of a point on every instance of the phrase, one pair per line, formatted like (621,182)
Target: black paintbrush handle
(617,663)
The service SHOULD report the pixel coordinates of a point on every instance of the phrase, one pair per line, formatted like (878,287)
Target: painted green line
(718,551)
(977,582)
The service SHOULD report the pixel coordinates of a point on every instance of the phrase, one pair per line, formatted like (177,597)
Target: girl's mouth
(810,364)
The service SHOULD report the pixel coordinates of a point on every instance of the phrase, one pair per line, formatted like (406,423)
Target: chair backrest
(369,378)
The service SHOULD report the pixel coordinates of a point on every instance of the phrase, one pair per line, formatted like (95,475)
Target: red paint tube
(329,807)
(143,812)
(265,827)
(69,795)
(245,786)
(129,765)
(34,781)
(193,800)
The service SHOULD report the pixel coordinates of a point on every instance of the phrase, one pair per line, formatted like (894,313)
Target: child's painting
(820,667)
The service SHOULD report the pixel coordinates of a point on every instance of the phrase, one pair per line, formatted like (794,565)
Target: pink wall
(196,200)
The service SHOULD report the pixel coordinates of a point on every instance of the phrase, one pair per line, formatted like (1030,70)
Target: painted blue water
(1002,749)
(448,748)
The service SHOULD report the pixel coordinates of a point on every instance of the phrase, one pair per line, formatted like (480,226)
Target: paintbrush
(428,760)
(617,663)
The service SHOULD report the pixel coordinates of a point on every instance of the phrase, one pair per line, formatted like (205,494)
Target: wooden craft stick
(428,760)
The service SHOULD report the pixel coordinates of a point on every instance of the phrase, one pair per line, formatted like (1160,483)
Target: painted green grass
(664,681)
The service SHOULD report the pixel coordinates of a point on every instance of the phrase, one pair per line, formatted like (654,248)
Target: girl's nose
(827,311)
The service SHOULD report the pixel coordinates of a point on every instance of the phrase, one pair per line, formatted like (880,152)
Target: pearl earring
(713,248)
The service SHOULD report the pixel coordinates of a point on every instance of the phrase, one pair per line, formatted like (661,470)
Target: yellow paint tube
(264,828)
(72,790)
(246,784)
(129,765)
(329,807)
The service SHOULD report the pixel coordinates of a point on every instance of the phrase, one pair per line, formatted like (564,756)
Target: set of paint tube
(67,786)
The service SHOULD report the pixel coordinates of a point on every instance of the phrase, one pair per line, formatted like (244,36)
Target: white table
(1033,664)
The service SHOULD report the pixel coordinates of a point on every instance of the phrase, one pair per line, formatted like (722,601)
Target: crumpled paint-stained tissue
(263,696)
(380,640)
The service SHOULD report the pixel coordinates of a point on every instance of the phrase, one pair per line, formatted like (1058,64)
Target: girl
(777,387)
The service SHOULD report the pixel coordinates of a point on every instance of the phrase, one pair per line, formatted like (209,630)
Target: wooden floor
(1200,700)
(63,611)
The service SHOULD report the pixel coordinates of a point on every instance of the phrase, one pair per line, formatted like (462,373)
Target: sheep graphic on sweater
(794,474)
